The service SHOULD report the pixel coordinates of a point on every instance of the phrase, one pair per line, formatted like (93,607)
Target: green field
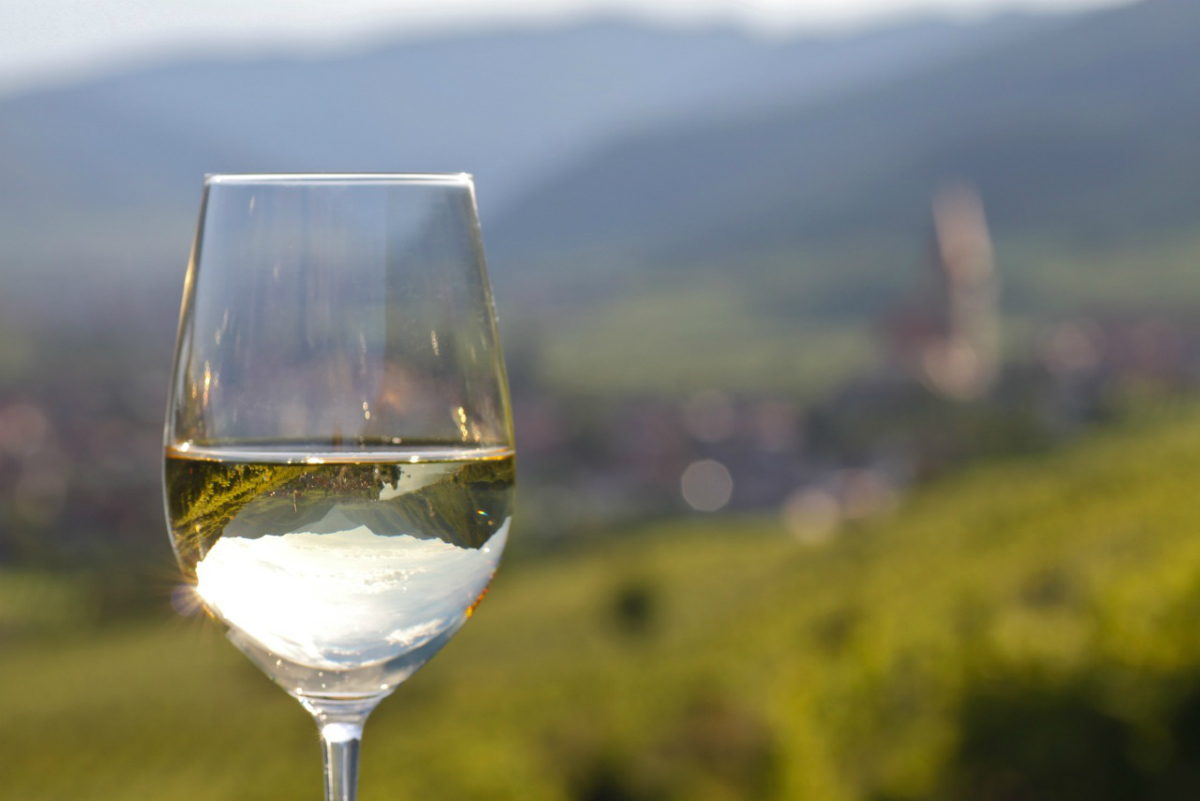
(803,323)
(1024,630)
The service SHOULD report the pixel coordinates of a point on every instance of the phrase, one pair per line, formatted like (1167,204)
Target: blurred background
(854,350)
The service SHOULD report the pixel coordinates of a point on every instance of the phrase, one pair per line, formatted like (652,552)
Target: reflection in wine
(356,567)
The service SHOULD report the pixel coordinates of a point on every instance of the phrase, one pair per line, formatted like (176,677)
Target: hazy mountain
(1084,132)
(99,182)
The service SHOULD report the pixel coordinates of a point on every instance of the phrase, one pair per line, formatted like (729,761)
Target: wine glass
(339,461)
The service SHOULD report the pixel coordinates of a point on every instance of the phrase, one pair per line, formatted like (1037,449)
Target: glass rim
(358,178)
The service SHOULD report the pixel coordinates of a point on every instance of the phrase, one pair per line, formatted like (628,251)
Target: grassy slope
(765,669)
(701,336)
(802,322)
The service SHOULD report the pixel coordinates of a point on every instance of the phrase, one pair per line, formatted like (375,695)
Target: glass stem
(341,724)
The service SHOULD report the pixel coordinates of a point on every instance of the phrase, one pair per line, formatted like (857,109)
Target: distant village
(80,448)
(940,396)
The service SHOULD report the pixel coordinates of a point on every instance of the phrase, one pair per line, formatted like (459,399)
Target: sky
(46,42)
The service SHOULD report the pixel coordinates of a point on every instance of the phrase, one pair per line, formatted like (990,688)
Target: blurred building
(949,338)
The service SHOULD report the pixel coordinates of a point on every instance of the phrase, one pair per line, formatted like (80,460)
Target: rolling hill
(1082,134)
(99,182)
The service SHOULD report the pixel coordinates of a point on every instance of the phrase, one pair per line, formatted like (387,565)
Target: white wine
(339,573)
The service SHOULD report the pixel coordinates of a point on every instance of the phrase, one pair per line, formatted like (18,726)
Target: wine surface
(339,574)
